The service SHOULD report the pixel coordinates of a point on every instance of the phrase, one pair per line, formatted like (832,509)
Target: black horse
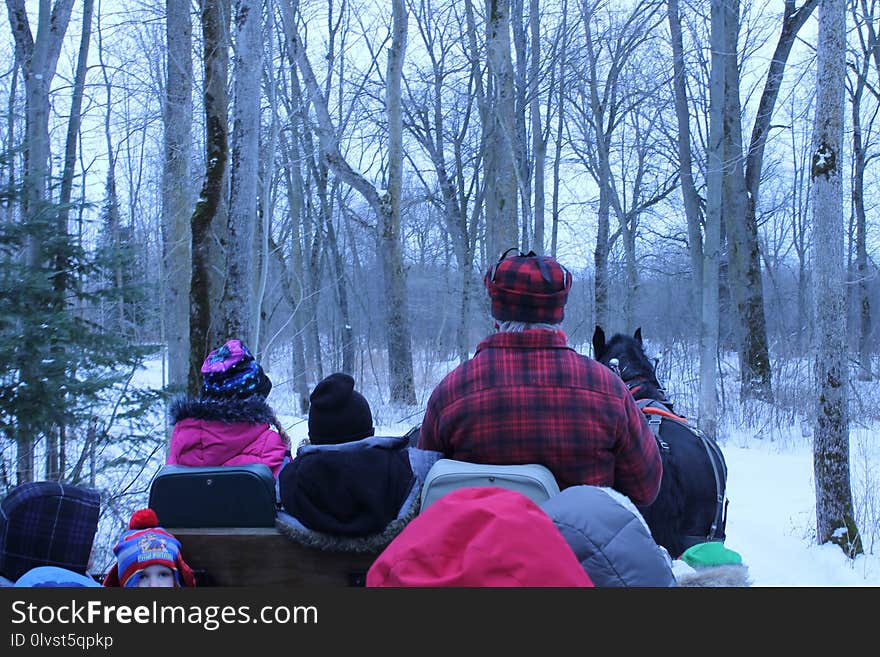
(691,506)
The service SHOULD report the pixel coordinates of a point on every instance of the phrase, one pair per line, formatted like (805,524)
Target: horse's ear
(598,342)
(638,336)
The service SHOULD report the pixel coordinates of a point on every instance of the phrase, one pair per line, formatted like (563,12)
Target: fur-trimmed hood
(420,460)
(236,432)
(253,409)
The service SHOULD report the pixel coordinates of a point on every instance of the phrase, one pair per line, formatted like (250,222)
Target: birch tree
(835,521)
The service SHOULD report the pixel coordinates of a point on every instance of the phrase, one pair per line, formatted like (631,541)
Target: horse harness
(655,411)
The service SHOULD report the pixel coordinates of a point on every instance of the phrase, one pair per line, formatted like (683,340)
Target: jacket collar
(531,339)
(381,442)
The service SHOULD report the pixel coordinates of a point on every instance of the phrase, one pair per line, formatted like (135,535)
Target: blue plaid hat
(231,372)
(47,523)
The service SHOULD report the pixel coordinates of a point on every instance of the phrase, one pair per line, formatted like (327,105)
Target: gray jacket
(609,537)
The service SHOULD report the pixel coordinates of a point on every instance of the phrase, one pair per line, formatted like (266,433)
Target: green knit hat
(712,553)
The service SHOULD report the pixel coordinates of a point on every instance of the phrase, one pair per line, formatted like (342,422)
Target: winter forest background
(328,180)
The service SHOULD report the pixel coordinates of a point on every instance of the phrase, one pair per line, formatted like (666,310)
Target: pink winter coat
(215,433)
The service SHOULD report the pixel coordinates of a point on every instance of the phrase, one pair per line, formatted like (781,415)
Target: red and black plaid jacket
(529,398)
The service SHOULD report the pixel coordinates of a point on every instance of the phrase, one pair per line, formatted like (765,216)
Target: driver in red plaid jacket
(527,397)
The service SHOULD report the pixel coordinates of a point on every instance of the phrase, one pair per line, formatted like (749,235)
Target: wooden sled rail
(264,557)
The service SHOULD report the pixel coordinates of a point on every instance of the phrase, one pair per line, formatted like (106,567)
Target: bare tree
(176,194)
(387,205)
(439,133)
(835,521)
(742,187)
(539,146)
(214,16)
(239,286)
(500,128)
(704,258)
(862,156)
(607,96)
(709,308)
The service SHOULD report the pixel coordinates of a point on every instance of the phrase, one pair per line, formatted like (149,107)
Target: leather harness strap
(655,411)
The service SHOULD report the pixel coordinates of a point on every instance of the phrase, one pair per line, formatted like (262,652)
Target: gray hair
(519,327)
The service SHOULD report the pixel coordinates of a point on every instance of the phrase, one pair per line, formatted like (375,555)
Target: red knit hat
(479,536)
(147,544)
(528,288)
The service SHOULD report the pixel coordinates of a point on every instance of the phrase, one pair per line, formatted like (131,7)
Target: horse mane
(633,365)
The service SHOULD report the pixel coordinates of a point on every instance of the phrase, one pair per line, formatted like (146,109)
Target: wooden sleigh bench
(234,534)
(265,557)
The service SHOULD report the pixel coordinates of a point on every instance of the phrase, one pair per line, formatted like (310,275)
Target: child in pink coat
(230,423)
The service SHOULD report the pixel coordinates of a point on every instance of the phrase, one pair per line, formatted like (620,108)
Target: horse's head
(626,355)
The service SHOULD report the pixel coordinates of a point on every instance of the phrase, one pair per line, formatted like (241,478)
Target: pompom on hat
(231,372)
(146,544)
(337,412)
(528,288)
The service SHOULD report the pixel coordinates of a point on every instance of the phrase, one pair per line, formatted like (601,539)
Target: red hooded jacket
(479,537)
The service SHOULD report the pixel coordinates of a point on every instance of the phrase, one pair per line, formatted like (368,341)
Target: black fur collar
(253,410)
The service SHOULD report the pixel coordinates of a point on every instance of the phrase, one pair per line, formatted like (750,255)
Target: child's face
(156,575)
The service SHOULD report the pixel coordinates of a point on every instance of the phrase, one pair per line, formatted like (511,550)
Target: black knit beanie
(337,412)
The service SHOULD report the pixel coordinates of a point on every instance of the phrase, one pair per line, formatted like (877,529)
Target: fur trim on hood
(252,409)
(734,575)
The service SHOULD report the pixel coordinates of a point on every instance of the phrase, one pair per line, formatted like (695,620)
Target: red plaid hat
(528,288)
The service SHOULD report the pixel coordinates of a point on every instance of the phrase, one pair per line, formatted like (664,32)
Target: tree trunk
(689,194)
(213,190)
(238,299)
(709,308)
(176,192)
(267,185)
(400,363)
(757,359)
(521,88)
(539,148)
(501,194)
(835,521)
(860,289)
(560,124)
(294,287)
